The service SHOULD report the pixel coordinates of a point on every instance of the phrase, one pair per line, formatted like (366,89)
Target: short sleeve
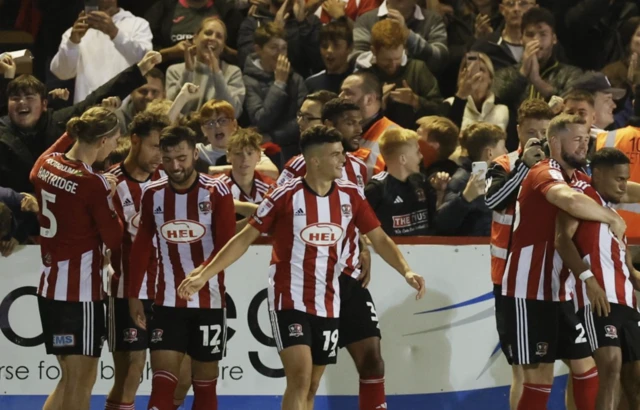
(544,177)
(263,217)
(364,218)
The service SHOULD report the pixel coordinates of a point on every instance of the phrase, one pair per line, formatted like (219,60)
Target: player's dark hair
(538,15)
(6,219)
(340,29)
(579,95)
(370,83)
(26,84)
(534,109)
(93,124)
(157,74)
(333,109)
(322,96)
(476,137)
(146,122)
(318,135)
(174,135)
(608,158)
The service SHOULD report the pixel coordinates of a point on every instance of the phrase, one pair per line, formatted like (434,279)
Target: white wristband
(586,275)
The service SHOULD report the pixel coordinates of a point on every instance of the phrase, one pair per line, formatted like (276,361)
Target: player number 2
(374,315)
(48,198)
(580,338)
(330,340)
(207,331)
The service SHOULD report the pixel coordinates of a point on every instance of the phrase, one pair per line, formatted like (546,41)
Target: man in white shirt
(100,45)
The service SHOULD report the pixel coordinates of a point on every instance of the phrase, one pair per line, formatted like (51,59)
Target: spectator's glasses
(220,122)
(521,3)
(307,117)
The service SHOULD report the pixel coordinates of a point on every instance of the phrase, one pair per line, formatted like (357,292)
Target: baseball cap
(593,81)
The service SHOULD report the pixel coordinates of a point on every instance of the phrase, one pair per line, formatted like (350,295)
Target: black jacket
(19,150)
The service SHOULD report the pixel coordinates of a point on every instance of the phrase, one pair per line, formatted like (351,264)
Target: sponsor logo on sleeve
(557,175)
(264,208)
(182,231)
(322,234)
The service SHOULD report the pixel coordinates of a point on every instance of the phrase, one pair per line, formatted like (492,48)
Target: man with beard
(607,278)
(140,97)
(541,325)
(365,90)
(188,213)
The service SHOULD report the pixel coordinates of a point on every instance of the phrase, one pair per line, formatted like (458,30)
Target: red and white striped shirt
(190,228)
(126,202)
(262,184)
(310,233)
(76,219)
(533,263)
(354,170)
(601,250)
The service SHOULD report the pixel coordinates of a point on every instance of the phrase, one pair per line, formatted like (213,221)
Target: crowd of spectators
(448,75)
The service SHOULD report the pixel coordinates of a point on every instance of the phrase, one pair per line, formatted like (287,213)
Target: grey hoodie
(272,108)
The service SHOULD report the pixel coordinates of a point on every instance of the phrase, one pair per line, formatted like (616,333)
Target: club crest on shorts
(130,335)
(346,210)
(611,332)
(295,330)
(542,349)
(156,335)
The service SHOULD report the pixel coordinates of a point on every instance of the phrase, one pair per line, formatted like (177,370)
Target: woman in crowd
(218,124)
(203,67)
(622,73)
(474,102)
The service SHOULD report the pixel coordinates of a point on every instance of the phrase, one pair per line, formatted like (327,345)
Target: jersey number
(51,231)
(580,338)
(374,315)
(213,341)
(330,340)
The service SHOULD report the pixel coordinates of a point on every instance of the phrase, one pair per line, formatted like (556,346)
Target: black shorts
(200,333)
(358,317)
(537,331)
(620,329)
(293,327)
(72,328)
(501,326)
(123,334)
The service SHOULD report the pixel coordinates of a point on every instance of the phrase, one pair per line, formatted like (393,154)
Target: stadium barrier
(440,352)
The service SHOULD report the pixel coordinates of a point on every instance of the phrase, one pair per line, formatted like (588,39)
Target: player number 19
(330,340)
(48,198)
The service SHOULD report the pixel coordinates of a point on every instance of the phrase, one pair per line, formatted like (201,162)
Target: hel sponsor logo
(611,332)
(182,231)
(156,335)
(205,206)
(414,218)
(135,221)
(321,234)
(64,340)
(295,330)
(542,349)
(264,208)
(130,335)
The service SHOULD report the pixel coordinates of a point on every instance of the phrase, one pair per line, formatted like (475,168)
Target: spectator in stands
(589,30)
(7,73)
(218,124)
(474,102)
(30,128)
(302,34)
(411,90)
(404,200)
(215,78)
(173,23)
(427,40)
(604,97)
(310,113)
(18,219)
(365,90)
(539,75)
(336,43)
(623,73)
(99,46)
(332,10)
(580,102)
(438,142)
(346,117)
(139,98)
(464,212)
(274,91)
(504,46)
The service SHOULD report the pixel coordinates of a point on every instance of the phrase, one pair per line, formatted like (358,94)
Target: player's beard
(184,176)
(572,160)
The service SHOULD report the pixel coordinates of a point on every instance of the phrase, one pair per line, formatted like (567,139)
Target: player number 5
(51,231)
(330,340)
